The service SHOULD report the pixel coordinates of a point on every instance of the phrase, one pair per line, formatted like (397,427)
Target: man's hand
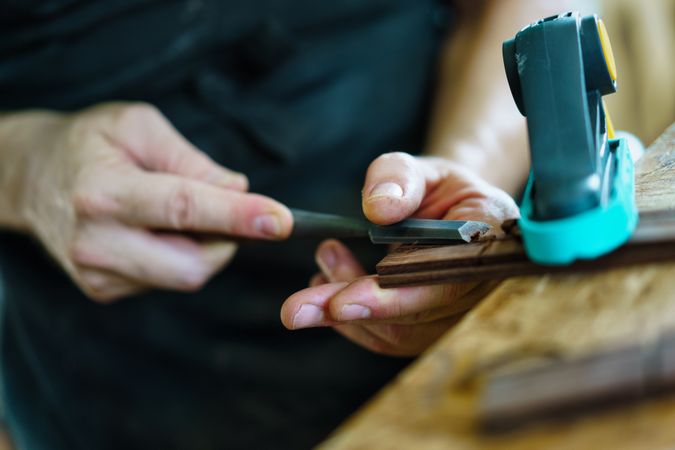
(399,321)
(111,190)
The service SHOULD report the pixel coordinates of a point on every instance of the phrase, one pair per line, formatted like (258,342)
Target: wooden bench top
(427,408)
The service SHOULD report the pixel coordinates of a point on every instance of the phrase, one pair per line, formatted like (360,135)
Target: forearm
(18,159)
(475,121)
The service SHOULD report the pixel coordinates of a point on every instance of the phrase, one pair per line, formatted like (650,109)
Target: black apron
(300,96)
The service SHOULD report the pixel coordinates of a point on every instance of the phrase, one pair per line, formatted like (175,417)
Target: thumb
(154,144)
(394,188)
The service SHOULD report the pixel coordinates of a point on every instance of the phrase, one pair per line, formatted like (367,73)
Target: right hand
(110,190)
(402,321)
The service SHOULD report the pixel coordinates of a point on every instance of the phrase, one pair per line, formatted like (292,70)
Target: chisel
(308,224)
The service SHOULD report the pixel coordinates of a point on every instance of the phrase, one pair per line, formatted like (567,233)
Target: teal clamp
(589,234)
(579,202)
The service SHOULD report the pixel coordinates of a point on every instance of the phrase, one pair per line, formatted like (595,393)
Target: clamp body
(579,200)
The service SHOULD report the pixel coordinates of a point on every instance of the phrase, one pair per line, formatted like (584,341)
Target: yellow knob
(607,49)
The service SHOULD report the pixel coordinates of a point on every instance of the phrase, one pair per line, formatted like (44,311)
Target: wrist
(465,153)
(500,158)
(23,138)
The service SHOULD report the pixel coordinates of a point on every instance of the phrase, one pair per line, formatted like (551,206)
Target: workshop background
(643,40)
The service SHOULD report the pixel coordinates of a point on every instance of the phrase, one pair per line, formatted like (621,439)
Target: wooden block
(653,241)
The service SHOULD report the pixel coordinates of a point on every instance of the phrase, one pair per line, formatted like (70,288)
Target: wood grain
(433,404)
(547,386)
(653,241)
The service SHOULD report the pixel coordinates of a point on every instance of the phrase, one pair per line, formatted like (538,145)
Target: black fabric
(299,95)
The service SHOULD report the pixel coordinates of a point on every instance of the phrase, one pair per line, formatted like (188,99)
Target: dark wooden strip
(516,396)
(413,258)
(653,241)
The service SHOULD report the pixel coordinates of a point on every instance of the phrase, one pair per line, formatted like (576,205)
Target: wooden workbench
(426,407)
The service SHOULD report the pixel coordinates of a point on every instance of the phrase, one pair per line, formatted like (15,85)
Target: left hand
(399,321)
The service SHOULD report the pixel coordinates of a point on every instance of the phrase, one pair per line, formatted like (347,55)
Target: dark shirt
(300,96)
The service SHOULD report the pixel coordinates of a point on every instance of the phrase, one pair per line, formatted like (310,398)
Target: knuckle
(87,204)
(84,250)
(181,208)
(80,251)
(96,288)
(81,129)
(136,114)
(95,283)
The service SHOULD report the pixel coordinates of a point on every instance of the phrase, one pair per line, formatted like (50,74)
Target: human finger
(307,308)
(169,262)
(318,279)
(337,262)
(363,300)
(165,201)
(151,140)
(104,286)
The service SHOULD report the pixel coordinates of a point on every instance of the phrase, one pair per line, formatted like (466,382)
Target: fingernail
(354,312)
(267,224)
(307,316)
(327,259)
(387,189)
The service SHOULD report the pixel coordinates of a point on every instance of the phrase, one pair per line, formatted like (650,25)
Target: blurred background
(643,40)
